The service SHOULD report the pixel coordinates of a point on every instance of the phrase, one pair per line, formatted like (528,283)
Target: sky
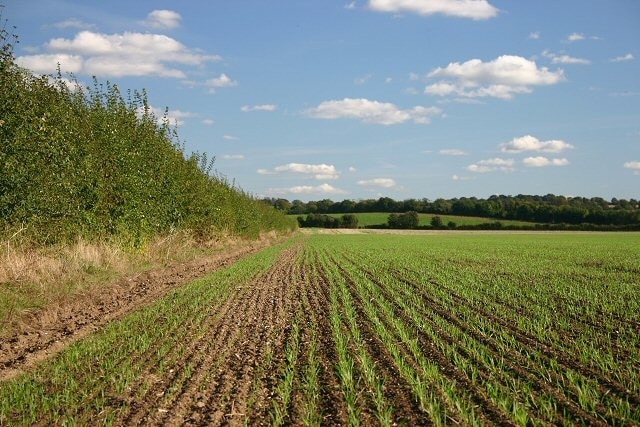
(342,99)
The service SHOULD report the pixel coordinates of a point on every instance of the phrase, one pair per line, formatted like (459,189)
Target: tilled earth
(53,328)
(252,353)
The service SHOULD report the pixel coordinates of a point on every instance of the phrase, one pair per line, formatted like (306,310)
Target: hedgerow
(93,162)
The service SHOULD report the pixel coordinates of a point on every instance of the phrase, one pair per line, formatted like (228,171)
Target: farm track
(52,329)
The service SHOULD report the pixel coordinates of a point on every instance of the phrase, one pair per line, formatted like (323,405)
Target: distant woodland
(548,209)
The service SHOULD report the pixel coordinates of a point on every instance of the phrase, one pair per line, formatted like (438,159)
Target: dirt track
(53,328)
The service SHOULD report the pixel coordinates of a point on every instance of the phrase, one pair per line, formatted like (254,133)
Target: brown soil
(47,331)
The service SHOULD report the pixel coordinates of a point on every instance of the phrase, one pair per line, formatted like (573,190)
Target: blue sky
(360,99)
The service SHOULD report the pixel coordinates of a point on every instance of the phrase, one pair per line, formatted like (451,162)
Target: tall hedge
(93,162)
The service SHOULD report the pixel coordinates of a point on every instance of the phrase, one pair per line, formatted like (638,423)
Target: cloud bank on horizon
(405,98)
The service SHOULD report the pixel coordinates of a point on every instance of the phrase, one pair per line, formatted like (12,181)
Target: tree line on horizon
(547,209)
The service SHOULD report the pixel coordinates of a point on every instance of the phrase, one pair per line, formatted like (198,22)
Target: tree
(436,222)
(406,220)
(349,221)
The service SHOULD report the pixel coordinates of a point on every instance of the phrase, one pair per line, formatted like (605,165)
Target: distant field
(375,218)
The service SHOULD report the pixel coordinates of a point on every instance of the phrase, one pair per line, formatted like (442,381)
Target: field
(364,329)
(376,218)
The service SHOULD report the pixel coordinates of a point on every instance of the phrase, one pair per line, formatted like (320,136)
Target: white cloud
(539,162)
(116,55)
(230,137)
(264,107)
(474,9)
(574,37)
(208,121)
(222,81)
(564,59)
(173,117)
(534,35)
(453,152)
(163,19)
(492,165)
(531,143)
(233,157)
(321,171)
(503,77)
(378,182)
(623,58)
(635,165)
(367,111)
(461,178)
(352,169)
(73,23)
(308,189)
(350,5)
(47,63)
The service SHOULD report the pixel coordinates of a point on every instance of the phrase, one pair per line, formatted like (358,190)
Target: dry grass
(32,277)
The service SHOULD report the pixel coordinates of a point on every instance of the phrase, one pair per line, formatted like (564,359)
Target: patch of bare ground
(47,331)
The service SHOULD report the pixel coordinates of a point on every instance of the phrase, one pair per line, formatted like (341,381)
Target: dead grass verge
(32,277)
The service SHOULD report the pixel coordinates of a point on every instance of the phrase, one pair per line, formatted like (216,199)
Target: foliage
(549,209)
(93,162)
(327,221)
(407,220)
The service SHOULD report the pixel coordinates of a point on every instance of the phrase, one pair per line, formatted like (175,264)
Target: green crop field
(448,329)
(366,219)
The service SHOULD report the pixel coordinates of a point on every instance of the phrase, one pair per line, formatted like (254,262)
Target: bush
(408,220)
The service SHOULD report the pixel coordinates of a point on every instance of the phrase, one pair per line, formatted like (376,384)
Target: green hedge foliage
(91,162)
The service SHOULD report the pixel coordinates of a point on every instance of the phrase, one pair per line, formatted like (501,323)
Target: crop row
(360,330)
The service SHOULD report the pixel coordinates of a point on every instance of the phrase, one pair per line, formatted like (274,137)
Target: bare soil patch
(47,331)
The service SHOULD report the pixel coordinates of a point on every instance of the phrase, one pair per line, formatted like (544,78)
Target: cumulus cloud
(171,117)
(635,165)
(623,58)
(230,137)
(473,9)
(233,157)
(163,19)
(502,77)
(535,35)
(492,165)
(47,63)
(453,152)
(574,37)
(540,161)
(264,107)
(116,55)
(222,81)
(308,189)
(208,122)
(368,111)
(320,171)
(378,182)
(531,143)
